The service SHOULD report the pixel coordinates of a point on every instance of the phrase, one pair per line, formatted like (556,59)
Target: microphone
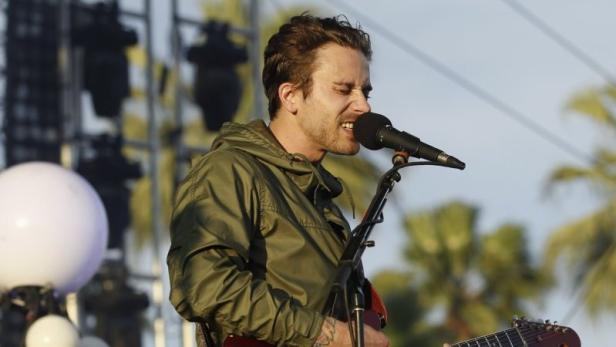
(374,131)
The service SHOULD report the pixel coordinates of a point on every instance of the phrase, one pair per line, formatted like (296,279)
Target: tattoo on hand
(328,333)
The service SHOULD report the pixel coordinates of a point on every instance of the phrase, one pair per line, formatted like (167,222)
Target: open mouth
(348,125)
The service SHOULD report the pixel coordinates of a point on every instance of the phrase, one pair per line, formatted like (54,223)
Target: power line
(466,84)
(561,40)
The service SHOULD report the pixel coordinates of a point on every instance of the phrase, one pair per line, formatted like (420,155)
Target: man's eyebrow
(365,87)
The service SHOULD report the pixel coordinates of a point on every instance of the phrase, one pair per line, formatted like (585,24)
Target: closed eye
(344,91)
(366,91)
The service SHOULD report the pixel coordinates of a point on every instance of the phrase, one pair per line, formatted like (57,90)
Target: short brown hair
(290,53)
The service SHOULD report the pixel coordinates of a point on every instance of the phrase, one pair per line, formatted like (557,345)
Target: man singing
(255,236)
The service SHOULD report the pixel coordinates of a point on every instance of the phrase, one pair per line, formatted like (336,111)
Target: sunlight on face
(340,87)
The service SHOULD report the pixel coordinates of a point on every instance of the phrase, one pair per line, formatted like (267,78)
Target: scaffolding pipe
(178,98)
(154,154)
(255,59)
(181,150)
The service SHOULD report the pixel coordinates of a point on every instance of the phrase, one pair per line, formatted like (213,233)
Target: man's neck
(293,140)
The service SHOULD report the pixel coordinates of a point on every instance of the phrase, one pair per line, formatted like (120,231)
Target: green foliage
(588,249)
(591,103)
(601,174)
(477,282)
(406,324)
(588,245)
(507,270)
(572,173)
(442,244)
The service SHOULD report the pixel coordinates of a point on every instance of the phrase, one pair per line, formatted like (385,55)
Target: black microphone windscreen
(366,128)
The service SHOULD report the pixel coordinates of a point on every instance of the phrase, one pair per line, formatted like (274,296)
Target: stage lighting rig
(32,122)
(217,88)
(115,305)
(105,65)
(105,167)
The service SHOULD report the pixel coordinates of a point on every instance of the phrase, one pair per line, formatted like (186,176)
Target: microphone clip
(400,158)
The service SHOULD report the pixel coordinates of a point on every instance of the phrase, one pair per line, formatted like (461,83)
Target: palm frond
(577,242)
(590,103)
(567,174)
(505,264)
(599,289)
(610,91)
(441,243)
(481,318)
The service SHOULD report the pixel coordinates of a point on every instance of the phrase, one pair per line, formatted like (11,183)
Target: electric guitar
(526,333)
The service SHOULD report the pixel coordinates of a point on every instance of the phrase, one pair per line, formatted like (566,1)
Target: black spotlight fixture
(217,89)
(110,173)
(105,65)
(115,305)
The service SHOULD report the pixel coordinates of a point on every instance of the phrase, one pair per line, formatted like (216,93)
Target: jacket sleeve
(215,217)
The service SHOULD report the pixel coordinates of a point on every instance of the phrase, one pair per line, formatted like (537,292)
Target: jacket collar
(256,138)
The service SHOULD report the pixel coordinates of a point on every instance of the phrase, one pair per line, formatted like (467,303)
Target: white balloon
(53,228)
(92,341)
(52,331)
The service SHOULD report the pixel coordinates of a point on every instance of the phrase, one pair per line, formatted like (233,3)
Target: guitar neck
(506,338)
(527,334)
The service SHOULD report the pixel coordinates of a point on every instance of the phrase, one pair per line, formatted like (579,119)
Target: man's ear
(289,96)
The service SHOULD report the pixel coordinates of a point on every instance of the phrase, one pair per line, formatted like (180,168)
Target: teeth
(347,125)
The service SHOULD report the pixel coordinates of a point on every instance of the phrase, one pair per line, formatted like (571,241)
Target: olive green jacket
(255,239)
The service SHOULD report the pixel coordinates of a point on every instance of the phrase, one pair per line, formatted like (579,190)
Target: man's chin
(346,151)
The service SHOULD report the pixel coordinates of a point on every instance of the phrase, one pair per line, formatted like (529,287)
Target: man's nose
(361,104)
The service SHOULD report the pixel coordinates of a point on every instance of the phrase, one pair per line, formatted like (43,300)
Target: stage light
(115,306)
(52,331)
(109,173)
(217,89)
(53,228)
(105,66)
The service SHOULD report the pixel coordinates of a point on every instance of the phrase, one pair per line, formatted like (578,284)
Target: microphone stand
(356,245)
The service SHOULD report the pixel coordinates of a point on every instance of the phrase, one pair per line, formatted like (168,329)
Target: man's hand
(335,333)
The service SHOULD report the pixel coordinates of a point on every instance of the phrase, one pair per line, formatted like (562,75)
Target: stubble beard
(331,137)
(336,142)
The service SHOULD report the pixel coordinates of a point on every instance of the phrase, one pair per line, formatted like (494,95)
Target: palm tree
(407,324)
(588,245)
(476,282)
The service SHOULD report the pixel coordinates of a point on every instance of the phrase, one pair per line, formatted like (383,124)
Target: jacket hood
(256,139)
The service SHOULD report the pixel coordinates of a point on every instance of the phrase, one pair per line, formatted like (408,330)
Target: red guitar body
(375,317)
